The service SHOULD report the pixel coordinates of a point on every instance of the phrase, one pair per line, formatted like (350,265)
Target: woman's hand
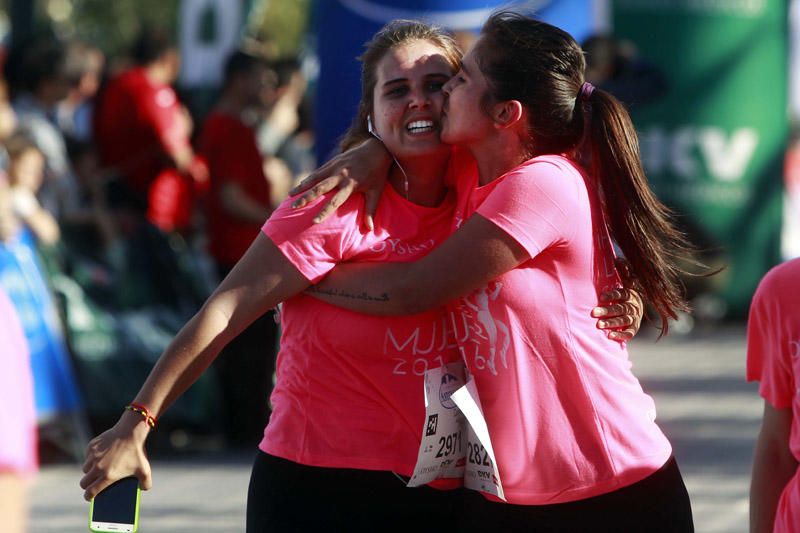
(620,313)
(115,454)
(363,168)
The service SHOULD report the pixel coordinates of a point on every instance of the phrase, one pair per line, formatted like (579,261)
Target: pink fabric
(567,418)
(773,358)
(18,414)
(349,392)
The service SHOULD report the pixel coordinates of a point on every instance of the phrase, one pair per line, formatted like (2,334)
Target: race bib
(481,469)
(443,446)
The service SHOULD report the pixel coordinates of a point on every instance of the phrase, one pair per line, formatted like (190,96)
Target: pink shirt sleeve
(314,249)
(533,204)
(768,359)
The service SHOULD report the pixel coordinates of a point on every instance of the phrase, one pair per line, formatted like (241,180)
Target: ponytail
(639,222)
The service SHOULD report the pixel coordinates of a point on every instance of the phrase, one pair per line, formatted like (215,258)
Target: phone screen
(117,504)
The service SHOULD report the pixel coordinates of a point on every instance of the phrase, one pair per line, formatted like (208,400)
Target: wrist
(134,425)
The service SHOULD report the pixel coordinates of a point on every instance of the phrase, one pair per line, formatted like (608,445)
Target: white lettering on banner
(727,160)
(689,149)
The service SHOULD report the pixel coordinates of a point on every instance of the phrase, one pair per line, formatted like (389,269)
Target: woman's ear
(508,113)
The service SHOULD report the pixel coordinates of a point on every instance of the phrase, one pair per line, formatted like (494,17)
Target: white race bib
(443,446)
(481,469)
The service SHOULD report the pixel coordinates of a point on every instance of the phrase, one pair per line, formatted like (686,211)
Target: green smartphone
(116,508)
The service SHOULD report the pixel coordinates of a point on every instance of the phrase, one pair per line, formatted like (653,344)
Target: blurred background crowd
(144,142)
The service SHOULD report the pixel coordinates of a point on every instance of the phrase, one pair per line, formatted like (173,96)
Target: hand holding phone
(116,508)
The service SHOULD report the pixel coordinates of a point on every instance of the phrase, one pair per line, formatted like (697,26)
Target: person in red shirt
(143,133)
(239,202)
(239,199)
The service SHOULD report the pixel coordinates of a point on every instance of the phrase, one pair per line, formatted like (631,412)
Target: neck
(497,155)
(425,178)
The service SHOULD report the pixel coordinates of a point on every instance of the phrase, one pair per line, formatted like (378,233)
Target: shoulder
(781,284)
(545,177)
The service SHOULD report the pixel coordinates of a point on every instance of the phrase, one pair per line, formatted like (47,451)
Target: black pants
(656,504)
(285,497)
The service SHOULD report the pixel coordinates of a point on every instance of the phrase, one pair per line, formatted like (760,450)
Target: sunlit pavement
(710,414)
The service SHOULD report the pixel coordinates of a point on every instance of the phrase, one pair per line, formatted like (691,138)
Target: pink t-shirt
(567,418)
(18,413)
(349,390)
(773,358)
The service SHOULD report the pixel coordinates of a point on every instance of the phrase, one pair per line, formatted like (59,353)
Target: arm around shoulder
(474,255)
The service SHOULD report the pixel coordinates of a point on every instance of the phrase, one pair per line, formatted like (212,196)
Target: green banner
(713,145)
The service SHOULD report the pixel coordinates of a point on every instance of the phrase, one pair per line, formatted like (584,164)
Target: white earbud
(371,129)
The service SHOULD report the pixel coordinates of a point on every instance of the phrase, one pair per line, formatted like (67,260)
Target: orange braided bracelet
(142,410)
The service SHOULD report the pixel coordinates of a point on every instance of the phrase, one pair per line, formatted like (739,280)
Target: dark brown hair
(395,33)
(543,67)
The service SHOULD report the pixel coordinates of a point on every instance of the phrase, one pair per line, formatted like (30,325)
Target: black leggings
(657,504)
(286,496)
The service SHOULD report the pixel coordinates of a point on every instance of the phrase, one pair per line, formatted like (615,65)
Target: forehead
(414,57)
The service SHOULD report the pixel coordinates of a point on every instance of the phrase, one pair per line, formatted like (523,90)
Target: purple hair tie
(586,92)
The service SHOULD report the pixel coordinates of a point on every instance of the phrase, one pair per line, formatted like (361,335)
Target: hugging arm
(260,280)
(362,168)
(475,254)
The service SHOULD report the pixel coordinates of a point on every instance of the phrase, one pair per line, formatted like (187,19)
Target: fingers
(344,192)
(324,186)
(608,310)
(623,335)
(371,207)
(615,295)
(622,321)
(94,482)
(312,179)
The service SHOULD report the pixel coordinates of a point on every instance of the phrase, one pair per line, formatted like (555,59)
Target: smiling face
(407,99)
(465,120)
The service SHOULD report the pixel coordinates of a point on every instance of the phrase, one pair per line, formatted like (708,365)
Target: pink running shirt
(567,418)
(773,358)
(349,392)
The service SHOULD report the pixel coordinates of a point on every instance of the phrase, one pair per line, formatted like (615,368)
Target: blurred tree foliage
(282,22)
(112,24)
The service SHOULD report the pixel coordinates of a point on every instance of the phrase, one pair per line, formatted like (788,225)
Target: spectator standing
(83,71)
(37,77)
(143,132)
(239,202)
